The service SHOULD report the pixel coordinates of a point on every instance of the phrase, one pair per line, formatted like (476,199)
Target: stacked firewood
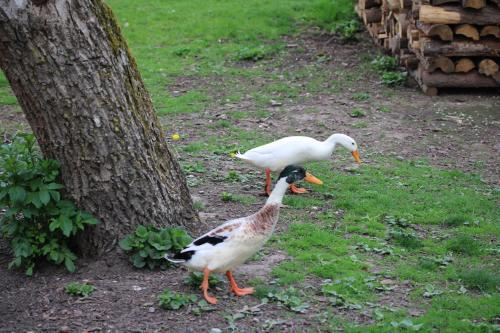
(442,43)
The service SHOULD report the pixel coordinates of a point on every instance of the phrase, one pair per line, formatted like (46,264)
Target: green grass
(6,96)
(410,221)
(170,41)
(480,279)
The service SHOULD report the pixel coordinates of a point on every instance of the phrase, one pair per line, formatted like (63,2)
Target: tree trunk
(83,96)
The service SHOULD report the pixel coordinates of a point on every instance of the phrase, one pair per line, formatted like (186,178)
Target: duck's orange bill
(355,154)
(311,179)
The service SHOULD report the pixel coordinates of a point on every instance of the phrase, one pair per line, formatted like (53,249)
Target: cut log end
(490,30)
(445,64)
(464,65)
(429,91)
(468,31)
(442,31)
(488,67)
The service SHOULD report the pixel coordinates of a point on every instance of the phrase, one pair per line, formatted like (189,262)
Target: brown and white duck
(232,243)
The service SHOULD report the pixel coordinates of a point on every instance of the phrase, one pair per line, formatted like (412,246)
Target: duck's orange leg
(297,190)
(234,287)
(204,287)
(268,182)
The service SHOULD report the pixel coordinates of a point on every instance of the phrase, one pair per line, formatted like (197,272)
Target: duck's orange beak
(355,154)
(311,179)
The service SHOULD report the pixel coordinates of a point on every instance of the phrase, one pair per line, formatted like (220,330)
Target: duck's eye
(353,143)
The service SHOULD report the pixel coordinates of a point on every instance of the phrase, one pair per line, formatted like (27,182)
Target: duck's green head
(294,173)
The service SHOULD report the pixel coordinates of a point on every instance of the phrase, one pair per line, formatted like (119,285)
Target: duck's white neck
(335,139)
(278,192)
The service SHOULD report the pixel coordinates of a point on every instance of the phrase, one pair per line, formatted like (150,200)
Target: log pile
(442,43)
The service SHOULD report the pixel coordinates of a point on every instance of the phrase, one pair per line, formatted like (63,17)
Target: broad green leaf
(44,197)
(66,226)
(46,249)
(17,194)
(141,231)
(56,256)
(138,261)
(16,262)
(70,265)
(126,243)
(54,186)
(22,249)
(11,212)
(3,193)
(91,221)
(54,224)
(27,213)
(55,195)
(36,201)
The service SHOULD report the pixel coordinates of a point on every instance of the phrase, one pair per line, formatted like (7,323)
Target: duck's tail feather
(180,257)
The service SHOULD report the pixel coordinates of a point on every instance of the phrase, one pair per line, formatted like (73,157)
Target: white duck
(276,155)
(232,243)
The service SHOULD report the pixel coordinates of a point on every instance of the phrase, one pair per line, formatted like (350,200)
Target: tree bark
(471,79)
(429,47)
(455,15)
(84,98)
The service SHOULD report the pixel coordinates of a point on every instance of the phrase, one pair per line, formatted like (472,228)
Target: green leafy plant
(405,238)
(170,300)
(196,167)
(226,196)
(202,306)
(386,67)
(234,177)
(357,113)
(361,96)
(348,30)
(79,289)
(149,245)
(393,78)
(383,63)
(37,222)
(290,299)
(395,221)
(431,291)
(406,325)
(255,53)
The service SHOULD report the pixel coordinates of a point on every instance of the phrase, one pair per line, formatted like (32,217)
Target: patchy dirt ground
(455,130)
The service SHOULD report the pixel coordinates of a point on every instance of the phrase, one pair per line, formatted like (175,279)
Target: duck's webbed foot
(234,287)
(297,190)
(204,287)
